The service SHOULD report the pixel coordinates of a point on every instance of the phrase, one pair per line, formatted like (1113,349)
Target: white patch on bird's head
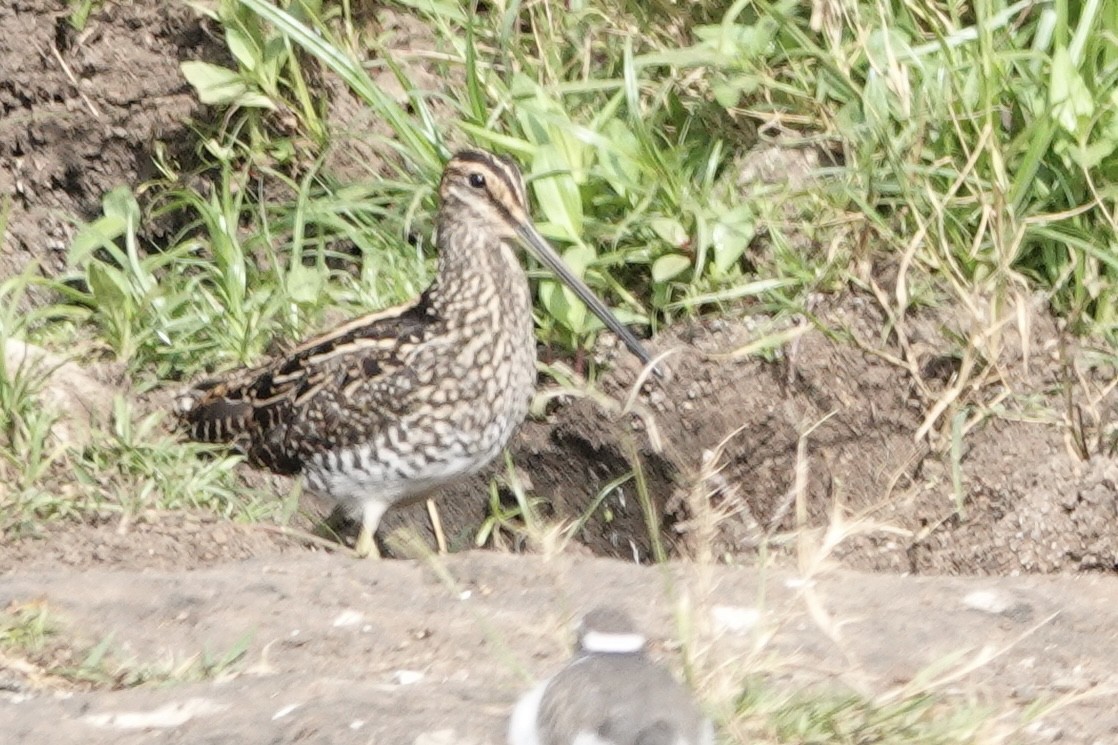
(605,642)
(609,630)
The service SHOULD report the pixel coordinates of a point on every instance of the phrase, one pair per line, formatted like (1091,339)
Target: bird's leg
(366,546)
(436,525)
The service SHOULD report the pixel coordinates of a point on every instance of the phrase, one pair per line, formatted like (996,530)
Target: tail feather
(209,414)
(214,418)
(226,412)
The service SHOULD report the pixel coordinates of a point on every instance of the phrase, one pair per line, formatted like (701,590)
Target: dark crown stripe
(498,167)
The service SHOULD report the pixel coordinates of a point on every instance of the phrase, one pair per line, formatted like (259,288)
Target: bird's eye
(477,180)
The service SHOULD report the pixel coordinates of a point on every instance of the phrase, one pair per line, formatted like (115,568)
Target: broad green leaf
(579,258)
(728,91)
(562,304)
(215,84)
(619,159)
(1093,154)
(886,46)
(557,192)
(1068,94)
(849,119)
(255,100)
(731,236)
(97,234)
(119,202)
(694,56)
(307,10)
(242,47)
(220,86)
(737,40)
(560,301)
(304,284)
(670,230)
(275,56)
(669,266)
(1104,139)
(527,95)
(546,123)
(79,13)
(875,102)
(109,287)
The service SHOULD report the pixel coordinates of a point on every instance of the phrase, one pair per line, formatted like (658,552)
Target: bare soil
(742,458)
(83,110)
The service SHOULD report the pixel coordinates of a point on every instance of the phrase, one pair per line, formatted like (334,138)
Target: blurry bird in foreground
(610,693)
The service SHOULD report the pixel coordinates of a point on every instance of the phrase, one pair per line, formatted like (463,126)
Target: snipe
(392,405)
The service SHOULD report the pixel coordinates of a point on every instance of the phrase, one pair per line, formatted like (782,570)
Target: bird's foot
(366,546)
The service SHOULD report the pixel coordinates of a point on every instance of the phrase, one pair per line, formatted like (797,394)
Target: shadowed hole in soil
(848,419)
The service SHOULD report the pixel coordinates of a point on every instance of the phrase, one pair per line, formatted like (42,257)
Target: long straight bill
(546,254)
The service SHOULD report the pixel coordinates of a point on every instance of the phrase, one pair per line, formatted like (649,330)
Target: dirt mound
(825,435)
(82,112)
(1030,508)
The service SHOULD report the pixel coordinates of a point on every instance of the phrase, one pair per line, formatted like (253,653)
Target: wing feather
(279,412)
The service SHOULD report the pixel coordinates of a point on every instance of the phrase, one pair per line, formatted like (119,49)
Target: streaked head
(488,186)
(607,630)
(490,189)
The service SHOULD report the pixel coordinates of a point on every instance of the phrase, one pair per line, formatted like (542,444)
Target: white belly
(389,479)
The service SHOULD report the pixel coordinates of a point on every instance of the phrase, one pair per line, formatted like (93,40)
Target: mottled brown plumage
(393,405)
